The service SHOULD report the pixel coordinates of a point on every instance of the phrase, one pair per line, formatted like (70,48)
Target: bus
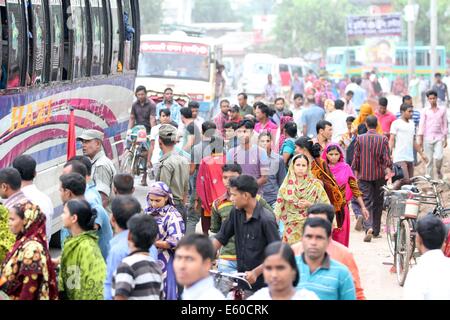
(58,55)
(353,61)
(186,64)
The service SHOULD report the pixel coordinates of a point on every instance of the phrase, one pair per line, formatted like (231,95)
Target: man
(324,133)
(265,124)
(337,251)
(433,132)
(416,114)
(349,108)
(173,168)
(280,105)
(297,86)
(245,108)
(195,108)
(78,164)
(220,84)
(222,117)
(424,86)
(235,115)
(221,210)
(385,85)
(430,278)
(10,184)
(277,170)
(231,141)
(73,186)
(367,85)
(169,103)
(253,226)
(440,88)
(312,115)
(253,160)
(297,110)
(191,134)
(385,117)
(123,185)
(103,170)
(338,120)
(402,143)
(143,111)
(154,153)
(26,166)
(413,89)
(372,166)
(327,278)
(193,261)
(270,90)
(359,94)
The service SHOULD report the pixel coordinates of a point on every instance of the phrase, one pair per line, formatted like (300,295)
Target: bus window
(298,70)
(80,36)
(98,37)
(130,35)
(117,43)
(401,58)
(17,46)
(37,41)
(421,58)
(3,47)
(56,27)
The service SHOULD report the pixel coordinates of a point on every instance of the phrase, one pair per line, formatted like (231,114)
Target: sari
(347,182)
(7,239)
(364,113)
(27,272)
(171,229)
(83,269)
(292,191)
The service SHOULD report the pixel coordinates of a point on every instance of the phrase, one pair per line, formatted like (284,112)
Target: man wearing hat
(174,169)
(103,170)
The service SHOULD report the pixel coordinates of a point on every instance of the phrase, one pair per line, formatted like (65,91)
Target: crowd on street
(273,185)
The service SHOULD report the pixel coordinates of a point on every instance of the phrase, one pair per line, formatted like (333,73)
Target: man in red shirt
(385,117)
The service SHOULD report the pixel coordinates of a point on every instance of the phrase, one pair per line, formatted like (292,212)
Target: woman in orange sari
(322,172)
(366,111)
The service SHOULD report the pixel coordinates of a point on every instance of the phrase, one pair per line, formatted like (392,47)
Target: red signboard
(174,47)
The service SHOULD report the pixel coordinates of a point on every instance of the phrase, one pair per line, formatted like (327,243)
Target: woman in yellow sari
(366,111)
(299,191)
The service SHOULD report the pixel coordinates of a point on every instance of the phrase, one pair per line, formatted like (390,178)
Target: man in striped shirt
(372,165)
(139,277)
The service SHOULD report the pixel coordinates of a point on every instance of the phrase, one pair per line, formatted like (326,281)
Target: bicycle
(134,160)
(230,284)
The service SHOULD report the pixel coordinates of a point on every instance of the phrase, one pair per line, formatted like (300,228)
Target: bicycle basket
(398,204)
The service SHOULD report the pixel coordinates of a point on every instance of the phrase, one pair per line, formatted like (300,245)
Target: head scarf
(32,239)
(159,189)
(364,113)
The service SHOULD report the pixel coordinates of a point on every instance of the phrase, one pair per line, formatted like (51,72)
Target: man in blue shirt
(169,103)
(359,94)
(92,195)
(327,278)
(123,208)
(311,116)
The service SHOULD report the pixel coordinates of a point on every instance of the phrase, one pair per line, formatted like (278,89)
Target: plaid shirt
(371,156)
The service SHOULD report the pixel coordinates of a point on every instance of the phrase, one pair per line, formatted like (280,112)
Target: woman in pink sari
(346,180)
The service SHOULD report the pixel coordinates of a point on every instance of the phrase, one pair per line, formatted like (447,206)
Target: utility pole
(434,36)
(411,39)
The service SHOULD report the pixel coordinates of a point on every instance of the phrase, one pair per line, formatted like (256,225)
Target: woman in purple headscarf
(171,230)
(334,156)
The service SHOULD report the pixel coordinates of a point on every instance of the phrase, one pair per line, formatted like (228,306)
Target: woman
(171,230)
(297,194)
(281,135)
(288,147)
(28,272)
(346,180)
(282,276)
(322,172)
(365,112)
(83,269)
(7,239)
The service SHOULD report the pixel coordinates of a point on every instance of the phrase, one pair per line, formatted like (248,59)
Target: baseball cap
(168,131)
(89,135)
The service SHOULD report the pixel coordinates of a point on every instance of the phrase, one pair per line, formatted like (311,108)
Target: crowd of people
(273,188)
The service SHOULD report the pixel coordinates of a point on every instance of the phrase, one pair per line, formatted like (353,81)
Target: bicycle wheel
(391,230)
(403,252)
(127,163)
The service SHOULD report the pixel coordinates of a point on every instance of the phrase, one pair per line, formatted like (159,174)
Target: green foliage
(213,11)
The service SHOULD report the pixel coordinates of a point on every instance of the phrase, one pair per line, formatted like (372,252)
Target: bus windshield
(335,58)
(174,60)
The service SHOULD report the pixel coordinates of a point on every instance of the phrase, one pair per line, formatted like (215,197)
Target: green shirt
(247,110)
(174,171)
(221,209)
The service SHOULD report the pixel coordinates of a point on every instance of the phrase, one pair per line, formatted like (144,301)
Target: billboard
(375,26)
(380,52)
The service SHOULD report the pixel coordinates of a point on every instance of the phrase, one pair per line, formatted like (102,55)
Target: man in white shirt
(155,153)
(385,85)
(338,119)
(430,279)
(26,166)
(297,110)
(193,261)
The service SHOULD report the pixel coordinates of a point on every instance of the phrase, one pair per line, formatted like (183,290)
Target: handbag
(398,173)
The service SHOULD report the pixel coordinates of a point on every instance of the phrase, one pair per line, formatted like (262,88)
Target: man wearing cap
(174,169)
(103,170)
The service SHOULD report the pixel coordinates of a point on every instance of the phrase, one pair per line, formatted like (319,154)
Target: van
(256,68)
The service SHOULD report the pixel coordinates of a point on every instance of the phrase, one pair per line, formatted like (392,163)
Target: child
(139,277)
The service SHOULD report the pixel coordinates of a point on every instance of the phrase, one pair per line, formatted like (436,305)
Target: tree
(151,15)
(213,11)
(307,25)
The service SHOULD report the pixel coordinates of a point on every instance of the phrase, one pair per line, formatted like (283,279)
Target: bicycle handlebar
(427,179)
(235,276)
